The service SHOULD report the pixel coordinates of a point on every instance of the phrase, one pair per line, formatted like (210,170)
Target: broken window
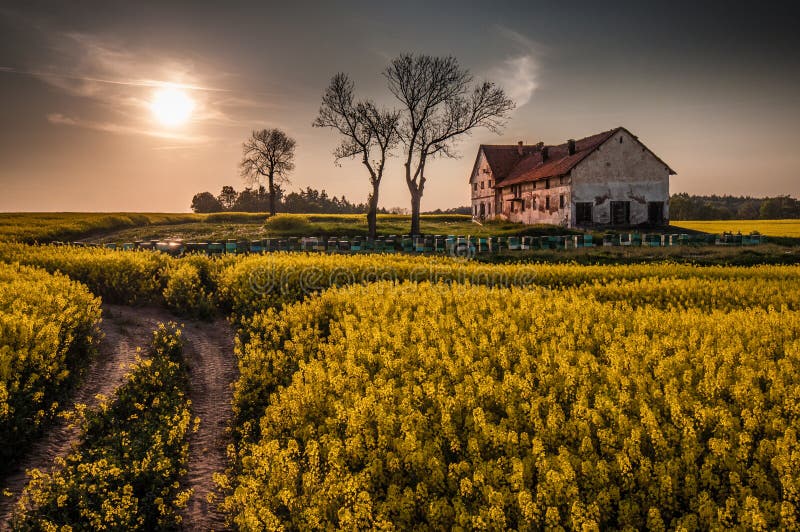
(620,212)
(583,212)
(655,212)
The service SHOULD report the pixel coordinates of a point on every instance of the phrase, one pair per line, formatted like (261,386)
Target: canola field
(773,228)
(397,392)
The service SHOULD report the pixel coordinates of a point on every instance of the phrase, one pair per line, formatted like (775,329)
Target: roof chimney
(571,146)
(519,148)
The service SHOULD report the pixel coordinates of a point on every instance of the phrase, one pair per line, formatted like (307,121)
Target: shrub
(288,223)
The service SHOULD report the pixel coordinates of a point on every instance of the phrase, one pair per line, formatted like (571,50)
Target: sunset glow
(171,106)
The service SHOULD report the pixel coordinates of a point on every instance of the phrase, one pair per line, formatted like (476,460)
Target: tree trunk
(271,194)
(416,197)
(372,213)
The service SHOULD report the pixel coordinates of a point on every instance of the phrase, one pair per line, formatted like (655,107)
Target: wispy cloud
(110,127)
(518,73)
(129,83)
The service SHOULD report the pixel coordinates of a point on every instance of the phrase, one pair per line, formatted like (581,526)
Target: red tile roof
(509,168)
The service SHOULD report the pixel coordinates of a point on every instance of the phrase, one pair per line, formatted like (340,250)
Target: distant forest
(686,207)
(308,201)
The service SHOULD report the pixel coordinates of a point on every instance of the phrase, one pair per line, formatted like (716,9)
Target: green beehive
(216,247)
(450,243)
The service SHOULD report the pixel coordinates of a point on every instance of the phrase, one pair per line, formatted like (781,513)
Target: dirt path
(212,367)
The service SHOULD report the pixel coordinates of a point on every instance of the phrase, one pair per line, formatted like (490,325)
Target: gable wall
(482,196)
(621,172)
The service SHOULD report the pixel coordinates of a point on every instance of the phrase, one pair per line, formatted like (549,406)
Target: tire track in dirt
(126,329)
(212,370)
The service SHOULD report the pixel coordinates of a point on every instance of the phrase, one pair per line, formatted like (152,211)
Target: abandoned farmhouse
(610,178)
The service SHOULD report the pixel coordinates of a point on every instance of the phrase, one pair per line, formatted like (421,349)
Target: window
(583,212)
(620,140)
(620,212)
(523,205)
(474,210)
(481,185)
(547,184)
(655,212)
(561,201)
(475,186)
(547,202)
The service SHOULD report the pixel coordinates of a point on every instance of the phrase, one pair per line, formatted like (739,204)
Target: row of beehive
(435,243)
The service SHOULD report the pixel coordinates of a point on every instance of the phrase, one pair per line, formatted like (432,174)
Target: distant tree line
(685,207)
(258,200)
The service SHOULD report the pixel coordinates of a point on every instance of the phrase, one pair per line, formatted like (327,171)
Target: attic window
(620,140)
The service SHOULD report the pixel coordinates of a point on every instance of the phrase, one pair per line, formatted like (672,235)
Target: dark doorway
(620,213)
(583,213)
(655,213)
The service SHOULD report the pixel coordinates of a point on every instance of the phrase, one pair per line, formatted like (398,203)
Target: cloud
(518,73)
(110,127)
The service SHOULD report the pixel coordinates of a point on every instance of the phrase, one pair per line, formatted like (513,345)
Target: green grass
(47,227)
(324,225)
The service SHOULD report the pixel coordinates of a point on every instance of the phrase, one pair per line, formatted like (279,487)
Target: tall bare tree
(268,153)
(439,104)
(367,132)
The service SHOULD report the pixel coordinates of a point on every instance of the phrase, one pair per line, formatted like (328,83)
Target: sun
(171,106)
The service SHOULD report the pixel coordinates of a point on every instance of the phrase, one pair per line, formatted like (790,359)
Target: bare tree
(268,153)
(439,104)
(367,132)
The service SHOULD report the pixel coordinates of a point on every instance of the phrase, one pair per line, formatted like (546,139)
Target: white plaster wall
(623,171)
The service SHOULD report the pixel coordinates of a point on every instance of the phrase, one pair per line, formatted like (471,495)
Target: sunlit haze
(171,106)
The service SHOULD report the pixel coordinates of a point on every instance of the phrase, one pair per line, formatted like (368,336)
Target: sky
(713,88)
